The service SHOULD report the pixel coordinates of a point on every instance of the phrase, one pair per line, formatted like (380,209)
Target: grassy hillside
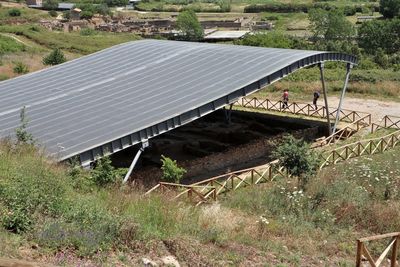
(62,215)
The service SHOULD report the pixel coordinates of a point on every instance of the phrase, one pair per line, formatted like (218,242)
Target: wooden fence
(304,109)
(362,250)
(360,148)
(348,130)
(387,122)
(209,189)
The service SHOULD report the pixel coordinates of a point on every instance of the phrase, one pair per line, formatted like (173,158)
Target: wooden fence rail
(360,148)
(389,121)
(393,245)
(300,109)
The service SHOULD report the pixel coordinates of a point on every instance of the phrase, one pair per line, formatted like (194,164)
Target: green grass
(28,15)
(72,42)
(9,45)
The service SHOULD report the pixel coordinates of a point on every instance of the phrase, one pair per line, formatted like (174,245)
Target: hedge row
(293,8)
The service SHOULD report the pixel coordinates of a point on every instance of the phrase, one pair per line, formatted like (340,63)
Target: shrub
(54,58)
(268,39)
(87,32)
(389,8)
(20,68)
(14,12)
(171,172)
(103,174)
(23,136)
(297,158)
(53,13)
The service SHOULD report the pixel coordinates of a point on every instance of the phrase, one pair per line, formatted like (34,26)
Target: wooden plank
(385,252)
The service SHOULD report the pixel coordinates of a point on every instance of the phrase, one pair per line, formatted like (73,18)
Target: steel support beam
(346,81)
(321,70)
(228,114)
(135,160)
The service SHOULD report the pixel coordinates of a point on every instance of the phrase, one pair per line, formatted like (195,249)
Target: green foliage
(380,34)
(330,25)
(268,39)
(54,58)
(389,8)
(23,136)
(20,68)
(14,12)
(87,32)
(50,4)
(86,226)
(53,13)
(86,14)
(72,42)
(171,172)
(9,45)
(190,26)
(297,158)
(103,174)
(116,2)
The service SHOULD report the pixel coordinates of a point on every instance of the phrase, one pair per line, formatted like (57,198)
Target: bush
(297,158)
(54,58)
(20,68)
(389,8)
(87,32)
(103,174)
(53,13)
(171,172)
(23,136)
(14,12)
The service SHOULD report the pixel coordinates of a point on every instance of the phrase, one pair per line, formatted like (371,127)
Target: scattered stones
(148,263)
(170,261)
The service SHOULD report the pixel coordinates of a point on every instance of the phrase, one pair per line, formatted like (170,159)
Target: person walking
(315,99)
(285,99)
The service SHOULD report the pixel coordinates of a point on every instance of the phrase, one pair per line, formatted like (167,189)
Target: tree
(116,2)
(330,25)
(297,158)
(50,4)
(54,58)
(380,34)
(23,136)
(389,8)
(268,39)
(171,172)
(189,25)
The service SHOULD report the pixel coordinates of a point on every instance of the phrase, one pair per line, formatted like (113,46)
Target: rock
(170,261)
(148,263)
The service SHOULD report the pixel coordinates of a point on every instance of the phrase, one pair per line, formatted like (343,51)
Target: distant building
(76,14)
(224,35)
(39,5)
(34,2)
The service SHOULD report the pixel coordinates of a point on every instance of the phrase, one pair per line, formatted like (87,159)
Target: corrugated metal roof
(94,100)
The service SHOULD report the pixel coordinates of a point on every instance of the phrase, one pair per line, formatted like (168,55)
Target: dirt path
(376,108)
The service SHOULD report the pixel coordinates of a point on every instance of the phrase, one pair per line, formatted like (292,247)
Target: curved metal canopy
(126,94)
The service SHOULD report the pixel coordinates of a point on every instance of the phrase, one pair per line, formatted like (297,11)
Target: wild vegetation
(70,215)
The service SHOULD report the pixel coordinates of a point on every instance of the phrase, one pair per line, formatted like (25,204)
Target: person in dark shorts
(285,99)
(315,99)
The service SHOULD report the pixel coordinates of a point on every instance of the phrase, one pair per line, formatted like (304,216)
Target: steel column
(135,160)
(346,81)
(321,70)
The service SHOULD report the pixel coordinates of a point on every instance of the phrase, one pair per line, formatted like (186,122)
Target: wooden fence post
(359,253)
(393,259)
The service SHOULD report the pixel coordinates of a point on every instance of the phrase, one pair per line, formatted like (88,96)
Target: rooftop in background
(126,94)
(61,6)
(226,35)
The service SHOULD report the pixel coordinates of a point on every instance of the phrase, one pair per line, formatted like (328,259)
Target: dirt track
(376,108)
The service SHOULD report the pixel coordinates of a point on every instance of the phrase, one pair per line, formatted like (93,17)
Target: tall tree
(188,23)
(330,25)
(389,8)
